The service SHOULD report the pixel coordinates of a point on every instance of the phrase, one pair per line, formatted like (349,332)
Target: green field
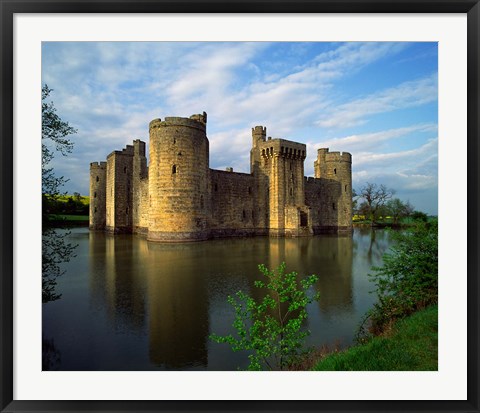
(411,345)
(64,217)
(85,200)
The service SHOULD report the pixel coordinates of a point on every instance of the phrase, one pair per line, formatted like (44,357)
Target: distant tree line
(376,203)
(67,204)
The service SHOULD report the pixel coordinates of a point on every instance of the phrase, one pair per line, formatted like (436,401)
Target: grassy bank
(68,220)
(411,344)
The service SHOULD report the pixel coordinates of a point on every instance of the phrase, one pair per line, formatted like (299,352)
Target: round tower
(98,182)
(178,179)
(338,168)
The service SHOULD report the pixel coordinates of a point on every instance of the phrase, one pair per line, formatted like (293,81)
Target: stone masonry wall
(233,204)
(139,189)
(282,162)
(119,190)
(322,195)
(98,187)
(110,194)
(178,179)
(335,169)
(140,206)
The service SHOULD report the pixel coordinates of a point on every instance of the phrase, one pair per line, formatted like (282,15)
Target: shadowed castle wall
(119,191)
(233,204)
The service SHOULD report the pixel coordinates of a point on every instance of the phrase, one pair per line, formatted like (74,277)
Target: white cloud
(374,140)
(350,57)
(385,159)
(209,83)
(406,95)
(413,174)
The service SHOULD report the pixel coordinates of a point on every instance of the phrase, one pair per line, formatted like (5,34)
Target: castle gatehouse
(177,197)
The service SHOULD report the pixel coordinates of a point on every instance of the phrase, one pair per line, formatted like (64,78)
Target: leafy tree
(55,249)
(398,209)
(54,139)
(419,216)
(408,279)
(271,328)
(375,196)
(363,210)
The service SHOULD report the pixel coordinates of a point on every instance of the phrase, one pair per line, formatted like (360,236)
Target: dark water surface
(129,304)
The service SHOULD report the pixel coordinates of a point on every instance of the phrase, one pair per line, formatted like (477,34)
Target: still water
(129,304)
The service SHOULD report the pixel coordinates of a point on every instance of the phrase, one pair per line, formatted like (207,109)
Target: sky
(376,100)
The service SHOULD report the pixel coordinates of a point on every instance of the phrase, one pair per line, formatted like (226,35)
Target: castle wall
(110,195)
(140,207)
(98,188)
(139,189)
(179,190)
(119,190)
(282,162)
(179,198)
(322,195)
(330,193)
(261,192)
(233,205)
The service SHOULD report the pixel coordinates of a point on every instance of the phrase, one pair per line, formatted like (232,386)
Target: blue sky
(377,100)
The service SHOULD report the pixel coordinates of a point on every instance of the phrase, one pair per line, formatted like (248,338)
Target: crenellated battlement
(283,148)
(139,147)
(338,157)
(200,117)
(259,130)
(98,165)
(325,155)
(194,121)
(127,151)
(259,134)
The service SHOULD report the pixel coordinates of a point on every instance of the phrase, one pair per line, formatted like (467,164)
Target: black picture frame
(7,10)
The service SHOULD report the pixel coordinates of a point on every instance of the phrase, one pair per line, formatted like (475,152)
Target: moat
(129,304)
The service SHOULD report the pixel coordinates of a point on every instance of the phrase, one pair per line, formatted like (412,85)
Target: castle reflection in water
(174,295)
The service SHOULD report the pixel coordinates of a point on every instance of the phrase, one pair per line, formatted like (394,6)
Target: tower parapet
(332,165)
(259,134)
(195,122)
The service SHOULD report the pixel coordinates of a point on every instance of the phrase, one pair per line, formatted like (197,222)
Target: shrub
(408,279)
(271,328)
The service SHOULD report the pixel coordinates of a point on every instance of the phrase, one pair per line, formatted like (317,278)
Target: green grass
(411,345)
(67,218)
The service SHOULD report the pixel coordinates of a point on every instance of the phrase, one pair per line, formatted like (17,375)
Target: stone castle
(177,197)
